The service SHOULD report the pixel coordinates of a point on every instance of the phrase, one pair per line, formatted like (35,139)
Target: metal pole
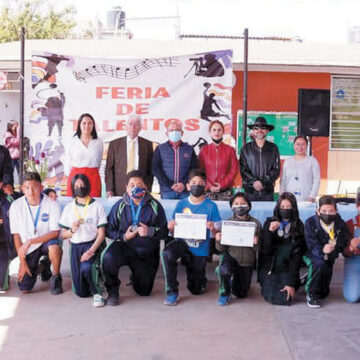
(245,92)
(22,93)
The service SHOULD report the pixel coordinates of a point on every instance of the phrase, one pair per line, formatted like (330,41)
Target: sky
(311,20)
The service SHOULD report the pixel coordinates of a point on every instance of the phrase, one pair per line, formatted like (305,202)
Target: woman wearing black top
(282,246)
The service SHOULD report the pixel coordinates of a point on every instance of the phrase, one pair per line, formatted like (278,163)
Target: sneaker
(171,299)
(113,299)
(312,302)
(98,301)
(224,300)
(56,285)
(45,265)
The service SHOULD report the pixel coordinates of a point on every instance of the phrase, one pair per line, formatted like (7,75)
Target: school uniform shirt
(80,156)
(94,218)
(22,221)
(208,207)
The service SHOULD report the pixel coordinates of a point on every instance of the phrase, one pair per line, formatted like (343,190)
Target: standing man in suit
(126,154)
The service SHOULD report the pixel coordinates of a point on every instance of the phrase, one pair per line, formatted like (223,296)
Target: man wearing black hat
(260,163)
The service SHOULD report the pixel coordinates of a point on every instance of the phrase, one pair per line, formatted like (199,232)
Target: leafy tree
(39,18)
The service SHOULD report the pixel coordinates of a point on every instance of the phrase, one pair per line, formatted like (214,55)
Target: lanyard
(81,217)
(283,228)
(330,232)
(9,198)
(37,213)
(135,215)
(283,224)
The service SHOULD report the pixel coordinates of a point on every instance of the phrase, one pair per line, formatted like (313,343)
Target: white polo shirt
(21,221)
(94,218)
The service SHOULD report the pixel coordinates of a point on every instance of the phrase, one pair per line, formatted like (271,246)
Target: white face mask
(174,136)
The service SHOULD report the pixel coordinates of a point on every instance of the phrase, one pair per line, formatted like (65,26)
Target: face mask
(81,192)
(174,136)
(240,210)
(286,213)
(138,192)
(217,141)
(327,219)
(197,190)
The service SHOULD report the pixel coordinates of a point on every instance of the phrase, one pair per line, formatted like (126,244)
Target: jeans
(351,288)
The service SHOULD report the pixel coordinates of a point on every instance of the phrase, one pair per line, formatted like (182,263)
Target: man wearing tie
(126,154)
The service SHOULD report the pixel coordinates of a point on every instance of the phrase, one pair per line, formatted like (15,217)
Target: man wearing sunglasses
(260,163)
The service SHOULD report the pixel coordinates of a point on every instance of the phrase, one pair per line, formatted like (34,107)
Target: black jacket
(259,164)
(5,203)
(6,169)
(270,242)
(152,214)
(317,238)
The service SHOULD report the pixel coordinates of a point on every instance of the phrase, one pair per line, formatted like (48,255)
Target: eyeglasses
(258,127)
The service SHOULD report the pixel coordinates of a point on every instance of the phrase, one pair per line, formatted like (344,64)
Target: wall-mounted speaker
(313,112)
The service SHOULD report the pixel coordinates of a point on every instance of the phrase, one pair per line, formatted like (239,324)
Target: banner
(195,89)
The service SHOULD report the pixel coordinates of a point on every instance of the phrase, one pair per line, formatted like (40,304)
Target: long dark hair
(82,177)
(78,129)
(10,128)
(297,226)
(292,199)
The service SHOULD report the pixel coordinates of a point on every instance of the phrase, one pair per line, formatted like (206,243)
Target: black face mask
(81,192)
(327,219)
(197,190)
(286,214)
(217,141)
(240,210)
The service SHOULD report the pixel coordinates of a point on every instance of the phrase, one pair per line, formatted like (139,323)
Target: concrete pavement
(43,326)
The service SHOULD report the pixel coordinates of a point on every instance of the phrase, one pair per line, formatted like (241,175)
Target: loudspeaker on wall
(313,112)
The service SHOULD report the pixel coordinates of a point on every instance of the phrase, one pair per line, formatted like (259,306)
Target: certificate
(190,226)
(238,233)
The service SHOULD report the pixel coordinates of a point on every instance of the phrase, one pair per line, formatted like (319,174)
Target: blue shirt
(207,207)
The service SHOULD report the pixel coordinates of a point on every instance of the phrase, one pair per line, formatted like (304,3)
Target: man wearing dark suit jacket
(126,154)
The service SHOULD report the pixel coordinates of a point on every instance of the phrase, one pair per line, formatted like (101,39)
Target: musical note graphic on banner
(124,73)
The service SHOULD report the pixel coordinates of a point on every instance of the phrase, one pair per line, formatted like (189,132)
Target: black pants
(260,196)
(233,278)
(84,274)
(271,284)
(143,267)
(195,268)
(4,266)
(319,277)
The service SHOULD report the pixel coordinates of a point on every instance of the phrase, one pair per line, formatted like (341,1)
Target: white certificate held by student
(238,233)
(190,226)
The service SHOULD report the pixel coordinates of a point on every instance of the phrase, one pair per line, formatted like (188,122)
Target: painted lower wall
(278,91)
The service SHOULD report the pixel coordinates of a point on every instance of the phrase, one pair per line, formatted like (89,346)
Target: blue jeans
(351,289)
(173,195)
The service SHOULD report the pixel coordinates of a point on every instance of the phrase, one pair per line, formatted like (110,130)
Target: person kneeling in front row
(136,223)
(34,222)
(237,262)
(326,237)
(83,221)
(193,253)
(282,245)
